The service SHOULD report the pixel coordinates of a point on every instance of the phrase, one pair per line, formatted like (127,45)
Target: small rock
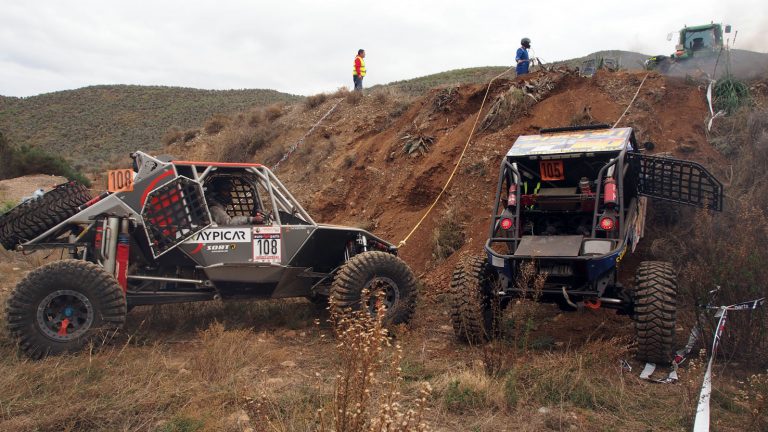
(303,334)
(686,148)
(183,371)
(16,269)
(288,364)
(275,381)
(446,328)
(544,410)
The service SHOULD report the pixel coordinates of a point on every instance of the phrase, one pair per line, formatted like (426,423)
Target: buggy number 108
(266,245)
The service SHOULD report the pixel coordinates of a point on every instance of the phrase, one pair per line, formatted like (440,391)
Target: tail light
(512,196)
(607,223)
(506,223)
(610,196)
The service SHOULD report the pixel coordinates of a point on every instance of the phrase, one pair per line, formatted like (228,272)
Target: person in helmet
(521,58)
(218,195)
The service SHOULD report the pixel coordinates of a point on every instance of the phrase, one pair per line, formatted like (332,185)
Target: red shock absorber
(122,256)
(610,196)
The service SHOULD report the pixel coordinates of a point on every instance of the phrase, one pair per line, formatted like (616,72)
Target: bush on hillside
(312,102)
(26,160)
(216,124)
(172,136)
(274,111)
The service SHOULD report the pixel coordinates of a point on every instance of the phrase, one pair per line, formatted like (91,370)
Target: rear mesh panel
(173,213)
(678,181)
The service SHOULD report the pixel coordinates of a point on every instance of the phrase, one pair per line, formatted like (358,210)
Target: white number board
(267,245)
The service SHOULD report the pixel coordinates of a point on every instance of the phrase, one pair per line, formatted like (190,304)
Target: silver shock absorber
(111,235)
(362,241)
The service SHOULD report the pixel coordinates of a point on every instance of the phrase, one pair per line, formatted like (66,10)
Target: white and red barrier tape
(701,423)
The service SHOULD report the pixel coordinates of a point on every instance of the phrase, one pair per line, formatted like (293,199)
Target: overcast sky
(307,47)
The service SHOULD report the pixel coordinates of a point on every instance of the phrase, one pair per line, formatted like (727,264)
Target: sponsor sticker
(220,248)
(221,235)
(267,245)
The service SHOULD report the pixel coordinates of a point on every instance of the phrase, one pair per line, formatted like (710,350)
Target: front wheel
(475,307)
(655,303)
(63,306)
(376,272)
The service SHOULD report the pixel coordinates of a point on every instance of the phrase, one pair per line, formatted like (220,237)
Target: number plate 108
(267,245)
(120,180)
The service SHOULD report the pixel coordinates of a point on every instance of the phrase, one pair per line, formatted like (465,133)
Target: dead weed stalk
(367,393)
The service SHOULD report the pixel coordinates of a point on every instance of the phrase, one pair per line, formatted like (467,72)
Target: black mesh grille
(242,198)
(173,213)
(678,181)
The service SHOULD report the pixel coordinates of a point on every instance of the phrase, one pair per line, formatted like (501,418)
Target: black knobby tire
(475,308)
(39,309)
(376,271)
(32,218)
(655,310)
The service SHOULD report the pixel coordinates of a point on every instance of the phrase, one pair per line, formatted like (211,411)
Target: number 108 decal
(267,245)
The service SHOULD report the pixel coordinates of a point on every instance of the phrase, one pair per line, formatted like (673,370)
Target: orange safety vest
(362,66)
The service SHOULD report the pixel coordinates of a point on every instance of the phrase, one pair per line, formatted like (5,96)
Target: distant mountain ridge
(93,123)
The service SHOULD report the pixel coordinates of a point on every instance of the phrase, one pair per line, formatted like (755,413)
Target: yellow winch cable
(458,162)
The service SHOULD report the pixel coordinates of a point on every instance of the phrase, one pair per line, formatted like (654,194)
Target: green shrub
(27,160)
(461,398)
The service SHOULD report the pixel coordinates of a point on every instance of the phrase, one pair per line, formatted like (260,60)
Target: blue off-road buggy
(573,202)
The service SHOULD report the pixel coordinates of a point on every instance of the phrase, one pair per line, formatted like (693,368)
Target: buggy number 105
(267,245)
(552,170)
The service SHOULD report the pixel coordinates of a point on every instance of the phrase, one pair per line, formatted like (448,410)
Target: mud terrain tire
(32,218)
(475,309)
(374,271)
(655,311)
(39,309)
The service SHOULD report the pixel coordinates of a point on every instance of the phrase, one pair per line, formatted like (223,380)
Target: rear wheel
(475,308)
(375,272)
(63,306)
(655,301)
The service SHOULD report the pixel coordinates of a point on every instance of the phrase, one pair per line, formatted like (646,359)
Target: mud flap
(677,181)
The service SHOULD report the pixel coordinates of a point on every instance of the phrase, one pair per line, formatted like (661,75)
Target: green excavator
(698,47)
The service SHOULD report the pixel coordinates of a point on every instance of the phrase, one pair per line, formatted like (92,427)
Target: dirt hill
(352,168)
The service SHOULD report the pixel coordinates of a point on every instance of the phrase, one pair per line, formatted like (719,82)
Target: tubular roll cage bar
(511,167)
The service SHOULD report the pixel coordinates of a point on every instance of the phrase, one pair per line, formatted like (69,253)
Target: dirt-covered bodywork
(154,240)
(573,201)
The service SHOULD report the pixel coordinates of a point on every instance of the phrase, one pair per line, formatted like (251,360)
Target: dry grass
(216,124)
(448,235)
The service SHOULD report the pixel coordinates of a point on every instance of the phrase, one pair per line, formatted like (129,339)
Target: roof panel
(600,140)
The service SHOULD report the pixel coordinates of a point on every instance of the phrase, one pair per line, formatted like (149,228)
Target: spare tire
(32,218)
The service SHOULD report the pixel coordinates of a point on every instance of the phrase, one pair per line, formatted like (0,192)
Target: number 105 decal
(267,245)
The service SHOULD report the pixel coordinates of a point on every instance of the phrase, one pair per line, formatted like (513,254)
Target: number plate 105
(552,170)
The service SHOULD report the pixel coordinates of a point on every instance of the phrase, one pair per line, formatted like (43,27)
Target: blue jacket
(522,54)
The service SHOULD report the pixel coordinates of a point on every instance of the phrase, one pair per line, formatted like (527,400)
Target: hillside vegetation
(94,123)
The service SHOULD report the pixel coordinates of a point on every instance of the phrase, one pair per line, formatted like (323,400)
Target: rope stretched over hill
(293,148)
(632,101)
(456,167)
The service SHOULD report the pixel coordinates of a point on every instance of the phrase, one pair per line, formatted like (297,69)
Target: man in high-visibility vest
(358,71)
